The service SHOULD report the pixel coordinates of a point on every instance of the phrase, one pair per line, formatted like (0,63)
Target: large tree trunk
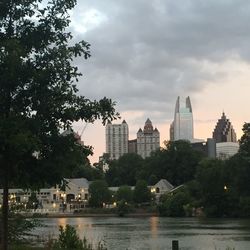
(5,210)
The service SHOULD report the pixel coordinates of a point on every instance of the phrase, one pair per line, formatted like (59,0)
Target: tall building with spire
(117,140)
(148,139)
(225,137)
(182,126)
(224,131)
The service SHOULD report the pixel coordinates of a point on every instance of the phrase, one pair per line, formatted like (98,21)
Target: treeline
(220,188)
(176,162)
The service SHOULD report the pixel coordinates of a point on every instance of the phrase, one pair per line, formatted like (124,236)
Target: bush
(122,208)
(69,240)
(20,228)
(174,205)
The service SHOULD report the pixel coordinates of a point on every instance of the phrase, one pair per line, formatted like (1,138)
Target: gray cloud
(146,53)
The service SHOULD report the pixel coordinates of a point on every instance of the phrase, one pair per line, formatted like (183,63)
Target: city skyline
(143,62)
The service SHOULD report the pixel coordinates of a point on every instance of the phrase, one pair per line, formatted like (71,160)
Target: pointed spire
(188,104)
(177,105)
(148,121)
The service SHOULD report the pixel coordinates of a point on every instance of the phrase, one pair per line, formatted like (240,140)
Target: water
(154,233)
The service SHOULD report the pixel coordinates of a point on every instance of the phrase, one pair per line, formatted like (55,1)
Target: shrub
(69,240)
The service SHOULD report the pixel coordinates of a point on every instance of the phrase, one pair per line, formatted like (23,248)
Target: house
(74,197)
(161,187)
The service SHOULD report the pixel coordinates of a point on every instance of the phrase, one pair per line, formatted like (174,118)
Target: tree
(124,171)
(141,192)
(122,208)
(38,96)
(124,193)
(99,193)
(218,196)
(88,172)
(173,204)
(245,140)
(176,162)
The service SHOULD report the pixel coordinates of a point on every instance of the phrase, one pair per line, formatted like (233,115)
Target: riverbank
(75,215)
(92,213)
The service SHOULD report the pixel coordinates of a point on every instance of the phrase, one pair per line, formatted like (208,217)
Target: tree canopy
(38,94)
(99,193)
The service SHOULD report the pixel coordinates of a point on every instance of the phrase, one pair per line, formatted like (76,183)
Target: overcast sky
(146,53)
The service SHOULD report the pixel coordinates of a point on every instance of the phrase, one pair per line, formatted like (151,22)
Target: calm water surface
(156,233)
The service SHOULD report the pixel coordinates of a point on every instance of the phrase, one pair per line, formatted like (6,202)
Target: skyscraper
(225,137)
(182,126)
(148,139)
(116,140)
(224,131)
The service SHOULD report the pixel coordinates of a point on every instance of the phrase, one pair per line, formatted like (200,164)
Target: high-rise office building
(182,126)
(148,140)
(225,137)
(117,140)
(224,131)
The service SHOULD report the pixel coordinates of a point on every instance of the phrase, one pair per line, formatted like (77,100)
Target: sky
(146,53)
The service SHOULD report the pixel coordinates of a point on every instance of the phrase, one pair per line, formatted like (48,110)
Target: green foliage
(99,193)
(152,180)
(211,179)
(20,228)
(141,192)
(68,239)
(176,162)
(122,208)
(124,171)
(88,172)
(38,93)
(174,205)
(32,202)
(245,140)
(39,97)
(124,193)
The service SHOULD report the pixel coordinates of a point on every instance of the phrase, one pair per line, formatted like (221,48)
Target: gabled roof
(79,182)
(164,183)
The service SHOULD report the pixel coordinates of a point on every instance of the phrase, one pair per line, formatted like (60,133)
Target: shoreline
(75,215)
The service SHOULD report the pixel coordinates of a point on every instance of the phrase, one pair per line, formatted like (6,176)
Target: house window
(157,190)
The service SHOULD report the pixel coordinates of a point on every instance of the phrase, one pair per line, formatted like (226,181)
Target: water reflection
(62,222)
(154,226)
(157,233)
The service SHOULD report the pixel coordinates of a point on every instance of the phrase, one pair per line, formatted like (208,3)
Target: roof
(148,121)
(79,182)
(164,183)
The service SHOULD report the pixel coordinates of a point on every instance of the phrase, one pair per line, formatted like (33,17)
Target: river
(156,233)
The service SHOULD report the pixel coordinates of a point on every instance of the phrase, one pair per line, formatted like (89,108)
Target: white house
(74,197)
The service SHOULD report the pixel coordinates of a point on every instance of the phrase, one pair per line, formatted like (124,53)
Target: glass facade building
(182,126)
